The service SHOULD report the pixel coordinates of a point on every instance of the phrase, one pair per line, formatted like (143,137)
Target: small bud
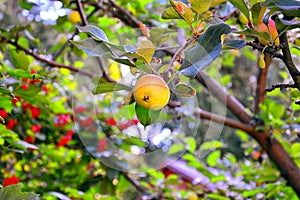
(261,61)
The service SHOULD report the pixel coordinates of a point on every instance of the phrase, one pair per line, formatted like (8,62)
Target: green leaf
(217,197)
(98,34)
(295,150)
(20,73)
(242,6)
(13,192)
(206,51)
(191,144)
(213,157)
(25,5)
(146,116)
(200,6)
(183,10)
(5,103)
(184,90)
(134,141)
(109,87)
(5,91)
(176,148)
(19,59)
(233,44)
(213,144)
(285,5)
(255,33)
(255,11)
(145,49)
(170,13)
(92,47)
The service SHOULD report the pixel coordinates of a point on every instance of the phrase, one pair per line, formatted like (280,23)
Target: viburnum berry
(101,145)
(30,139)
(87,122)
(35,112)
(25,86)
(15,100)
(10,181)
(11,124)
(64,141)
(3,113)
(111,122)
(36,128)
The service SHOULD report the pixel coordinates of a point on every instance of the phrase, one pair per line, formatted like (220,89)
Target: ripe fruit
(75,17)
(151,92)
(243,19)
(193,197)
(271,30)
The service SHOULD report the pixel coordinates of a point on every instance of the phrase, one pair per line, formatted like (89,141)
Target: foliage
(70,128)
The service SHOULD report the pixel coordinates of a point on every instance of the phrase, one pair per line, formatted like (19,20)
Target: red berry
(25,86)
(3,113)
(36,128)
(35,112)
(33,72)
(15,100)
(102,144)
(111,122)
(30,139)
(11,124)
(10,181)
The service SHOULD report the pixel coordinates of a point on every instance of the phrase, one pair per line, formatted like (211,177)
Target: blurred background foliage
(39,145)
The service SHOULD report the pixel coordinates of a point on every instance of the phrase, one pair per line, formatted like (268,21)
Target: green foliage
(39,117)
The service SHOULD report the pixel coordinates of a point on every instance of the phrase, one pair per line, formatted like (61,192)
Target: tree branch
(268,50)
(124,15)
(220,119)
(281,86)
(42,59)
(261,82)
(218,91)
(288,61)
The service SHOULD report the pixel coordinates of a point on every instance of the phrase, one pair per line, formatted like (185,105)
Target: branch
(124,15)
(268,50)
(81,13)
(40,58)
(281,86)
(135,183)
(288,61)
(233,104)
(261,83)
(184,46)
(220,119)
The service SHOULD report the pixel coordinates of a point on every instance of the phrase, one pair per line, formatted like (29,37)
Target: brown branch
(135,183)
(179,50)
(288,61)
(81,13)
(44,60)
(268,50)
(224,120)
(233,104)
(280,86)
(261,83)
(124,15)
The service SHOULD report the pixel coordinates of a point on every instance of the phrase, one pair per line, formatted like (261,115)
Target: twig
(281,86)
(40,58)
(288,61)
(271,51)
(135,183)
(124,15)
(81,12)
(178,52)
(224,120)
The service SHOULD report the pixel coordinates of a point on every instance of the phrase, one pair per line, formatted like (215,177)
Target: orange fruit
(75,17)
(151,92)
